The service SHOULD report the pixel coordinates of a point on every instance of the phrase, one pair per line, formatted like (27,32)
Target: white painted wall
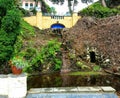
(13,86)
(38,8)
(17,86)
(3,84)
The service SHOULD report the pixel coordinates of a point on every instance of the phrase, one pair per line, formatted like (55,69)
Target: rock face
(96,40)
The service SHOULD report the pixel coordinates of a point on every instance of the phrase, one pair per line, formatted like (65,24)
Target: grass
(27,29)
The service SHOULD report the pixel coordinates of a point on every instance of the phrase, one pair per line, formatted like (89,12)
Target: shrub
(96,68)
(25,13)
(30,53)
(97,10)
(18,45)
(19,62)
(49,56)
(9,28)
(11,21)
(6,45)
(82,65)
(5,5)
(27,30)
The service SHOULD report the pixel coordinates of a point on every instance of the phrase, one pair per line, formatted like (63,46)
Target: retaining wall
(13,86)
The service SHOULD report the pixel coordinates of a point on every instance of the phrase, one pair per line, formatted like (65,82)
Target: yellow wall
(47,22)
(31,20)
(75,18)
(39,20)
(44,22)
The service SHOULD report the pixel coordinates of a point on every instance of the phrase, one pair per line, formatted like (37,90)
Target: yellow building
(46,21)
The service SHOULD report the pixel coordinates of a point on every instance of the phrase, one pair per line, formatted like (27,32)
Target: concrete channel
(72,92)
(15,86)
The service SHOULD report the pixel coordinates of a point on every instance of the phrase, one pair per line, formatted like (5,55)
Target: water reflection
(63,80)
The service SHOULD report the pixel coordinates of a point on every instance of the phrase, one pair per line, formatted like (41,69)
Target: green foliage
(34,11)
(58,1)
(19,62)
(62,1)
(24,12)
(18,45)
(49,56)
(45,7)
(78,63)
(27,30)
(118,7)
(53,10)
(96,68)
(82,65)
(6,45)
(72,55)
(97,10)
(48,9)
(9,28)
(69,3)
(6,49)
(11,21)
(5,5)
(30,53)
(85,73)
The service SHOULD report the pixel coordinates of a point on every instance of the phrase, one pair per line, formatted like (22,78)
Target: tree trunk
(69,6)
(103,3)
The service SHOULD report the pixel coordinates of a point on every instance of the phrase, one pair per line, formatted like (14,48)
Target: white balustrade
(3,85)
(13,86)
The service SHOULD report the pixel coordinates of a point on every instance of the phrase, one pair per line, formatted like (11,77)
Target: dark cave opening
(92,57)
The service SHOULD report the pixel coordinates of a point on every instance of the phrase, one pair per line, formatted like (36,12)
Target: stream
(64,80)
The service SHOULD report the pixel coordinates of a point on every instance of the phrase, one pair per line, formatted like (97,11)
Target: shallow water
(63,80)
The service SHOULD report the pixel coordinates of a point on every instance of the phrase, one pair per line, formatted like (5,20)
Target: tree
(69,3)
(9,28)
(44,7)
(58,1)
(113,3)
(53,10)
(103,2)
(87,1)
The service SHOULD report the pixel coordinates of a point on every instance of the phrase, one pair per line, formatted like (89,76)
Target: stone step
(72,92)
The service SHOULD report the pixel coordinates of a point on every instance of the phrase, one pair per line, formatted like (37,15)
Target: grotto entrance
(92,57)
(57,28)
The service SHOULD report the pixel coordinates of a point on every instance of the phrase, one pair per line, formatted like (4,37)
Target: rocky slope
(95,40)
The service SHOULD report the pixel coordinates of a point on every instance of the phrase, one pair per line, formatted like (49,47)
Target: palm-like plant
(19,62)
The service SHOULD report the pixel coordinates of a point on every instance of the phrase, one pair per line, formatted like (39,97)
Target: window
(26,4)
(31,5)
